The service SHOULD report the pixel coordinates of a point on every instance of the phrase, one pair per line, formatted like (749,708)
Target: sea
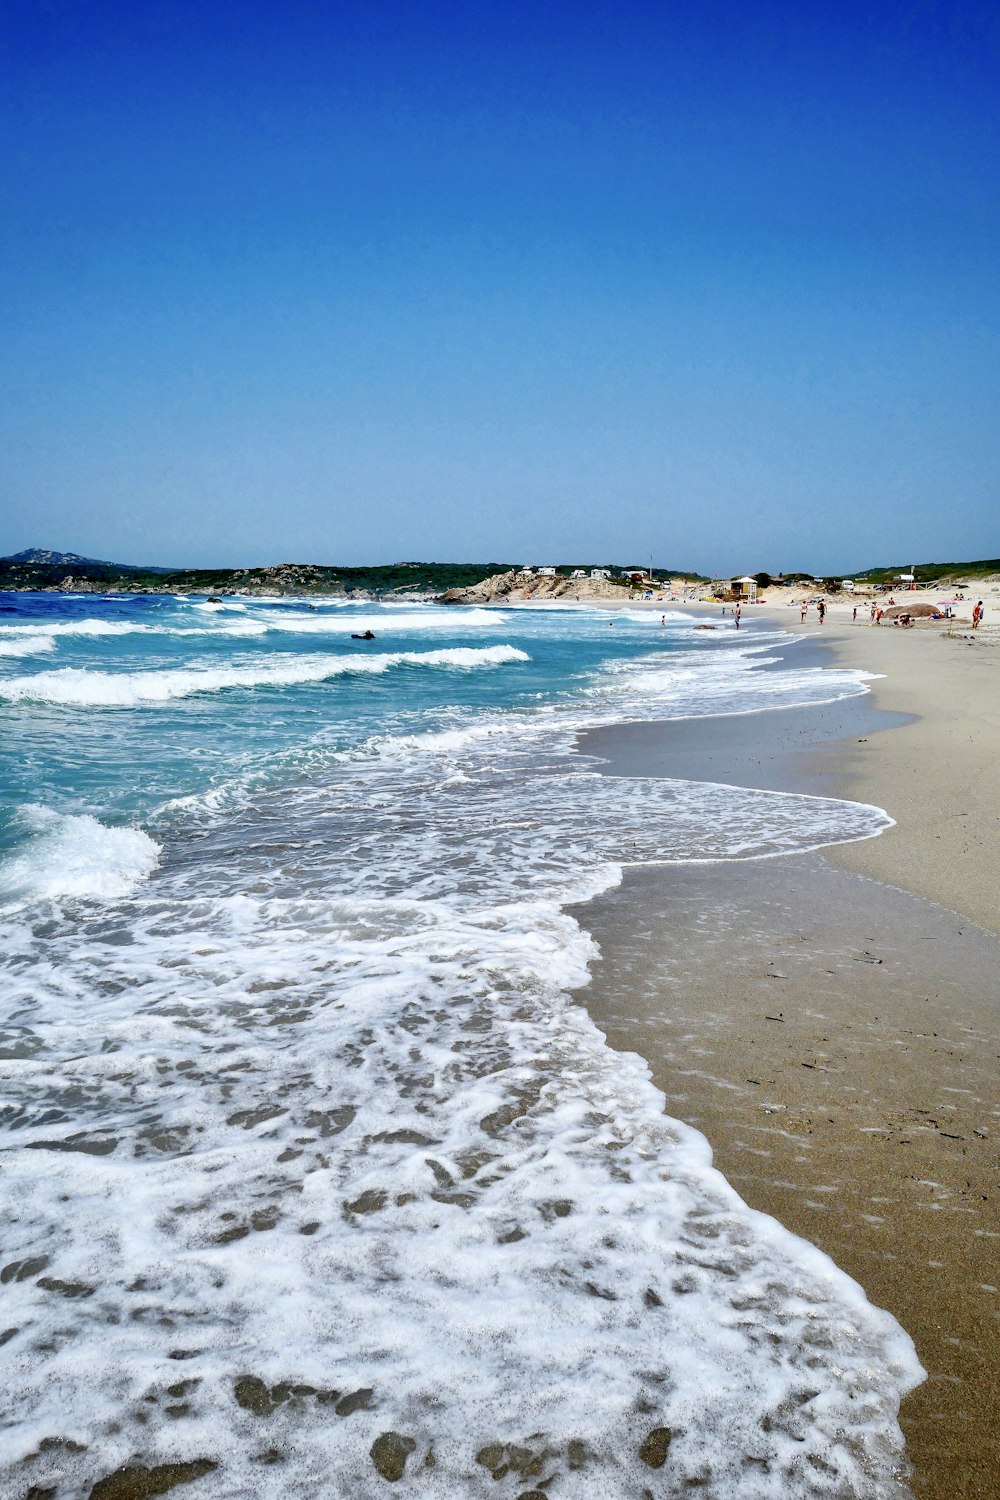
(315,1178)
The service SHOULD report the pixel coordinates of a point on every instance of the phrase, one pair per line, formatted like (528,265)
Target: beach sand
(831,1022)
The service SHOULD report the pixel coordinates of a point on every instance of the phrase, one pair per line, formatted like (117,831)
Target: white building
(600,572)
(579,573)
(546,572)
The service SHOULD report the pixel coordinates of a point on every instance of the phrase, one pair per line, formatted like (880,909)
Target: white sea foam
(84,687)
(279,621)
(345,1133)
(75,855)
(652,615)
(26,645)
(73,627)
(706,681)
(299,622)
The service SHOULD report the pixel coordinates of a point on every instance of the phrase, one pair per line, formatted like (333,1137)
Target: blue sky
(363,282)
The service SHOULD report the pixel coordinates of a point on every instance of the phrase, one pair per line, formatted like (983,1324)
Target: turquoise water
(304,1140)
(85,737)
(118,706)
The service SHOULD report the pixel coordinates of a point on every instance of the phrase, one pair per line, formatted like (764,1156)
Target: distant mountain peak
(41,557)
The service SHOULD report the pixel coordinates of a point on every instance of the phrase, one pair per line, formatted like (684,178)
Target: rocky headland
(514,585)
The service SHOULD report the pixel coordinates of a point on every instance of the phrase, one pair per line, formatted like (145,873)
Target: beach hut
(744,588)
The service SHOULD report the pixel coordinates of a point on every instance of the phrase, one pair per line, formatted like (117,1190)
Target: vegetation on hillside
(421,577)
(417,577)
(931,572)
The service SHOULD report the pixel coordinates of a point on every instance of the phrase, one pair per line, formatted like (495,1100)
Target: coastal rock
(21,1270)
(655,1446)
(137,1482)
(521,586)
(389,1453)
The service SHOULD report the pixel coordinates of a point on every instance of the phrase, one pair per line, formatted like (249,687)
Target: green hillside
(930,572)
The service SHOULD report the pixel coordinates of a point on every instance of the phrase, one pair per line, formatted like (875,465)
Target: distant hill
(931,572)
(41,557)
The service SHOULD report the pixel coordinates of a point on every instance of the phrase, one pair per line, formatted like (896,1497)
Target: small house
(599,573)
(744,588)
(546,572)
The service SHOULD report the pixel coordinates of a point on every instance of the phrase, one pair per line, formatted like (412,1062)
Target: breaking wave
(26,645)
(75,855)
(83,687)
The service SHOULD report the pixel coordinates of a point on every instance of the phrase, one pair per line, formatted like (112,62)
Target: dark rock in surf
(389,1454)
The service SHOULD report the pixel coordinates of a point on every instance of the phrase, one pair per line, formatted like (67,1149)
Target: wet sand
(836,1038)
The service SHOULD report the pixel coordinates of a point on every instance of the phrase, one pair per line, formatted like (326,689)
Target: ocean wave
(74,627)
(26,645)
(281,622)
(714,679)
(298,622)
(73,855)
(652,615)
(704,682)
(83,687)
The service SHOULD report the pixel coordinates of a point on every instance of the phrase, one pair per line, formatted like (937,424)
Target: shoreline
(829,1021)
(939,776)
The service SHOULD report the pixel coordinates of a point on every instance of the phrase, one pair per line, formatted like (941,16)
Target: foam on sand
(336,1156)
(75,855)
(84,687)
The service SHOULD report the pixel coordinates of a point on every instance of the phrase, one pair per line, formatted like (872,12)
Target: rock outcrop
(518,586)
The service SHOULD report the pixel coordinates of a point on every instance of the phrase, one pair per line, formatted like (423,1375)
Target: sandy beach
(830,1022)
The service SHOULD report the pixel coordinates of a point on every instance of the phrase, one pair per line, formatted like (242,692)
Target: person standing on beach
(821,610)
(977,615)
(855,616)
(803,611)
(872,620)
(878,616)
(736,614)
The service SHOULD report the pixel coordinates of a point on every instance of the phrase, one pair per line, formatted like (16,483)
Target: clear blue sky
(354,282)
